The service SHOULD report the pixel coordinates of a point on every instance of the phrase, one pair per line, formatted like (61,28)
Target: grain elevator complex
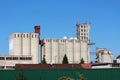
(24,48)
(75,48)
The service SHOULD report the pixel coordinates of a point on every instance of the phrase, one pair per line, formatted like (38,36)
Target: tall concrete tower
(83,34)
(83,31)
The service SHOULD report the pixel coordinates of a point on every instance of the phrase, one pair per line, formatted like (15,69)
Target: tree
(65,60)
(21,76)
(44,61)
(82,61)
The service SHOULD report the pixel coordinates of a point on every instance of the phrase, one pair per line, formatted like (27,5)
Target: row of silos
(23,44)
(55,49)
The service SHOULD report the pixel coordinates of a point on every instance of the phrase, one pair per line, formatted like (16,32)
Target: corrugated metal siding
(55,74)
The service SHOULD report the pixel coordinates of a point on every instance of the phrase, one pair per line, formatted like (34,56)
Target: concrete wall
(55,49)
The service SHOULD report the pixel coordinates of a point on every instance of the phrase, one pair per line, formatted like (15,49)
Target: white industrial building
(104,56)
(75,48)
(23,49)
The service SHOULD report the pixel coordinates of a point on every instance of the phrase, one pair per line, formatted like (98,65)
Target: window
(23,35)
(15,58)
(28,58)
(84,34)
(8,58)
(22,58)
(2,58)
(87,38)
(25,58)
(81,30)
(81,26)
(1,67)
(32,36)
(84,26)
(82,37)
(18,35)
(81,33)
(27,35)
(84,30)
(10,67)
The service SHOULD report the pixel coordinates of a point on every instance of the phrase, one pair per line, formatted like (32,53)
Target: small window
(35,36)
(82,37)
(81,26)
(81,30)
(32,36)
(27,35)
(18,35)
(87,38)
(10,67)
(2,58)
(1,67)
(15,58)
(84,26)
(81,33)
(28,58)
(8,58)
(22,58)
(84,34)
(24,36)
(84,30)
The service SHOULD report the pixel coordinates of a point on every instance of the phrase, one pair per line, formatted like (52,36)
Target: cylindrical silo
(85,52)
(17,44)
(34,47)
(11,44)
(26,44)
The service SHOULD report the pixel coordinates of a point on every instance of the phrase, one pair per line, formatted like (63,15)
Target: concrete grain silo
(26,44)
(15,44)
(35,47)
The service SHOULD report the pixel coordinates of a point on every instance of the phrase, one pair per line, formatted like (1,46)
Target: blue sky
(58,18)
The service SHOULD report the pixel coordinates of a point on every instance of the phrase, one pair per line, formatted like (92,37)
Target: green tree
(20,76)
(82,61)
(65,60)
(44,61)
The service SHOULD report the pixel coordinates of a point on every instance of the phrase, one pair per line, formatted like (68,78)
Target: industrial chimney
(37,29)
